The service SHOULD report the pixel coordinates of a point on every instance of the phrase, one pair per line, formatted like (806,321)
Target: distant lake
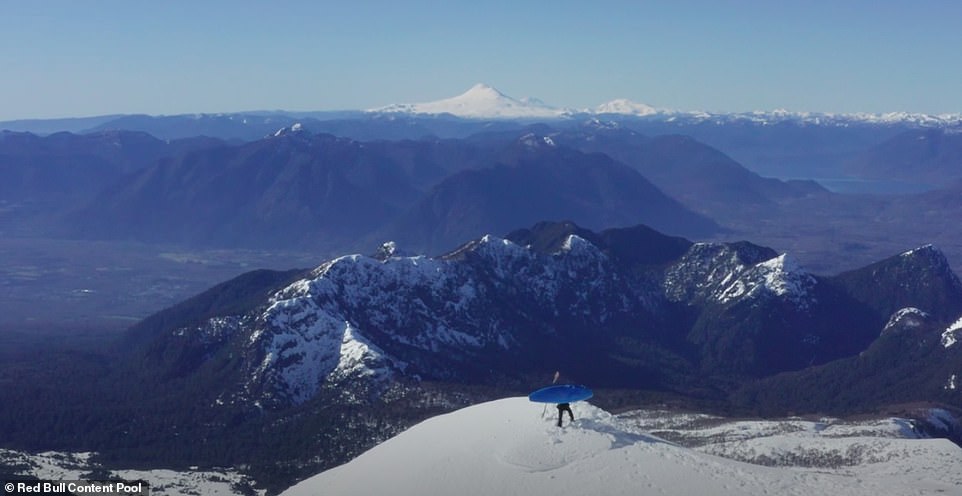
(870,186)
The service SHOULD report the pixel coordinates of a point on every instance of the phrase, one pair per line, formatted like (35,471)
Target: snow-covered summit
(625,107)
(480,102)
(509,447)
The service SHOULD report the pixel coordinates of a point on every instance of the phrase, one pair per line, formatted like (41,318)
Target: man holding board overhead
(563,395)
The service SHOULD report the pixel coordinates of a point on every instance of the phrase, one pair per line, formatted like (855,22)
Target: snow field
(508,447)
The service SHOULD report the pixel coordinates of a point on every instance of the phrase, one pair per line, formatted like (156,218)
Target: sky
(69,58)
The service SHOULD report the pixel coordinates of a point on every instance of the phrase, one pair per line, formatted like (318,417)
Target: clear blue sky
(81,58)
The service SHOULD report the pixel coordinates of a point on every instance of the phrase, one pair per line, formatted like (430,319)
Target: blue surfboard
(562,393)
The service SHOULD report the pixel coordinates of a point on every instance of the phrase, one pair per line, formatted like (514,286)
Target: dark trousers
(562,408)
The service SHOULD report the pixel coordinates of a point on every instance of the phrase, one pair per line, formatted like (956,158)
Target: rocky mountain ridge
(490,310)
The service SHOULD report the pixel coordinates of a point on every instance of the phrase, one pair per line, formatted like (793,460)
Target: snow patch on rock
(575,244)
(905,318)
(951,334)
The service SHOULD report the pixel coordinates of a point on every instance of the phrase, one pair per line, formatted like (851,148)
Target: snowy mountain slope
(422,311)
(486,303)
(507,447)
(708,271)
(889,445)
(718,272)
(781,276)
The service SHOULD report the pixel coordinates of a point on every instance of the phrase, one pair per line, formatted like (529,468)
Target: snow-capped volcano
(481,101)
(509,447)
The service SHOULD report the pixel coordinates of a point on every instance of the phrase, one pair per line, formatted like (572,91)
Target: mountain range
(777,143)
(296,188)
(690,260)
(920,155)
(64,169)
(299,189)
(481,101)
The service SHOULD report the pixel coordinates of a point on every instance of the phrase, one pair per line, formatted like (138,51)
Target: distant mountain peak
(484,91)
(577,245)
(535,142)
(481,101)
(390,249)
(930,257)
(625,107)
(293,129)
